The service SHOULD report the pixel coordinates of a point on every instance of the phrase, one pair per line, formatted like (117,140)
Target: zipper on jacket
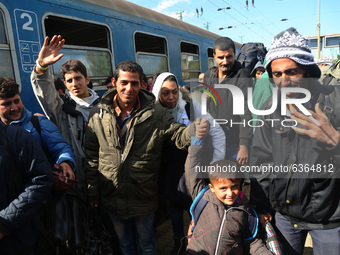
(220,232)
(222,224)
(133,119)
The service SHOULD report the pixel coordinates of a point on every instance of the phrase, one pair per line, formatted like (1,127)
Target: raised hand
(316,126)
(202,127)
(49,53)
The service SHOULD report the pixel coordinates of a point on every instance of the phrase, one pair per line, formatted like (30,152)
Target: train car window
(211,60)
(97,62)
(94,39)
(151,53)
(77,33)
(6,67)
(190,61)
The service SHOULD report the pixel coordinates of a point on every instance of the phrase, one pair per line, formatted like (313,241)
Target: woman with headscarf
(168,94)
(171,178)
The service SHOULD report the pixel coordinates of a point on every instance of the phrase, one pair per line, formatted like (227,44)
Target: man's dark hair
(90,85)
(8,87)
(59,84)
(144,78)
(108,80)
(261,69)
(73,65)
(128,66)
(223,44)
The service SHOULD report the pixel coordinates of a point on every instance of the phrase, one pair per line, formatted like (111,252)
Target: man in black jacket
(22,191)
(303,188)
(230,71)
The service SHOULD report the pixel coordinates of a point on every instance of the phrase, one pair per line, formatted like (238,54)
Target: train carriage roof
(139,11)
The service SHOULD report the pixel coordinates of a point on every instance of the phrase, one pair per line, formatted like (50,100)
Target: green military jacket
(330,75)
(125,180)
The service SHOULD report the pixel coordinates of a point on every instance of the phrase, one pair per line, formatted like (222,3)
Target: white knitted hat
(290,44)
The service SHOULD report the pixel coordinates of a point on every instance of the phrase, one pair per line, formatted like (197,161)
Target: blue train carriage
(100,33)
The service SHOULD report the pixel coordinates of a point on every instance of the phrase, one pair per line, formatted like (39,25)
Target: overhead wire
(246,18)
(223,10)
(251,21)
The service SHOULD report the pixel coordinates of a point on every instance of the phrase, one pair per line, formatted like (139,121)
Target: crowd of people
(137,149)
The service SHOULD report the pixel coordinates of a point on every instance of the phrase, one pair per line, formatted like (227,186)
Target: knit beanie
(290,44)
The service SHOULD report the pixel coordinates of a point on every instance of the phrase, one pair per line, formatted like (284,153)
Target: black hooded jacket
(307,194)
(18,205)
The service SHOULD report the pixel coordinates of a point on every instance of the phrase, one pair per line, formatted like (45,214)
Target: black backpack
(250,54)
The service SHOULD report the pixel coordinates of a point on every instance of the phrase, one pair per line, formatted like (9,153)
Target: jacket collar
(70,106)
(236,67)
(146,99)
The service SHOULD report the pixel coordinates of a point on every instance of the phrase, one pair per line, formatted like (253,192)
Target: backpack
(36,124)
(330,105)
(65,226)
(251,53)
(199,203)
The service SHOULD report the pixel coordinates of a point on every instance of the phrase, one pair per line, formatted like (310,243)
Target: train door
(9,65)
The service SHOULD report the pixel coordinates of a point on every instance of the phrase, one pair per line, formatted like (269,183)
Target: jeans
(138,229)
(325,241)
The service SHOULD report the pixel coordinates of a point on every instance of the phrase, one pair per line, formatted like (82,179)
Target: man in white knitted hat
(302,191)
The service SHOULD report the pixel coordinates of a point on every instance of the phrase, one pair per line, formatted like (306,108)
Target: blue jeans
(138,229)
(325,241)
